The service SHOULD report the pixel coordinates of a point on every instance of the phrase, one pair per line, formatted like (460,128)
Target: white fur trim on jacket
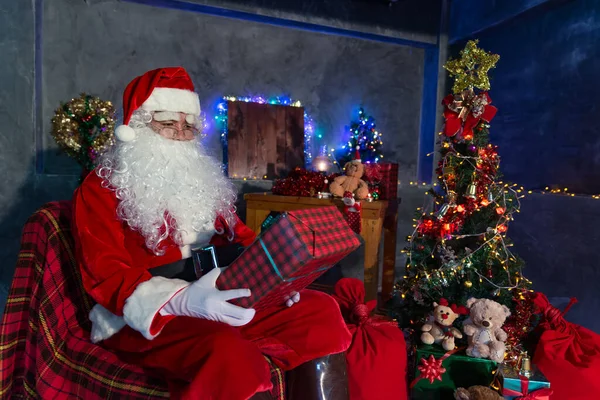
(176,100)
(104,323)
(147,299)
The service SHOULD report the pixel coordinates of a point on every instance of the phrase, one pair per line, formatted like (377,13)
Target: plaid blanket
(45,350)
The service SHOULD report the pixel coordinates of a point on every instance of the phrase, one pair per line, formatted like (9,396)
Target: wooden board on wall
(264,140)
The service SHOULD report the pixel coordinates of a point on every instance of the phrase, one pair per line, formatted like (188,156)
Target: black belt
(182,269)
(202,261)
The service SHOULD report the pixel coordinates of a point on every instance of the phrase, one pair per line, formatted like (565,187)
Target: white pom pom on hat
(163,89)
(124,133)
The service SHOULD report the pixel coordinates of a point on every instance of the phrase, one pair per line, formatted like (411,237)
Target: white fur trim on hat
(147,299)
(190,119)
(166,116)
(176,100)
(125,133)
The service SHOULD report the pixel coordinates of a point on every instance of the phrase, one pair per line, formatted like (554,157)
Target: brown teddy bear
(476,393)
(441,331)
(484,329)
(351,182)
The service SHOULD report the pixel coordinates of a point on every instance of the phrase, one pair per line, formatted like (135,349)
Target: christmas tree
(364,137)
(459,248)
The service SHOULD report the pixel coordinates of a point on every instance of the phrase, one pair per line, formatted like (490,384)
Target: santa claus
(155,196)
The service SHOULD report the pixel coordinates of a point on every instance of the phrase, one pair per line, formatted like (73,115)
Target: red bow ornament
(431,369)
(464,111)
(540,394)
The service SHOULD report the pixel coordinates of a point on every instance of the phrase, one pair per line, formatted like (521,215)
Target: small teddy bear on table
(441,331)
(484,329)
(351,182)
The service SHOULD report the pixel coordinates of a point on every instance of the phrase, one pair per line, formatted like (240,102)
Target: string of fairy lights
(494,244)
(546,191)
(521,190)
(498,231)
(450,270)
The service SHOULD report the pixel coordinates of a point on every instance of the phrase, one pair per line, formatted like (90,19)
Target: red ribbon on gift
(431,368)
(465,110)
(524,394)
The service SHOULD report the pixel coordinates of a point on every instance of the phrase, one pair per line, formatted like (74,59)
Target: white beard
(167,187)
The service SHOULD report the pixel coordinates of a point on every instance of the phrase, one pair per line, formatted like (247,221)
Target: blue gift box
(511,380)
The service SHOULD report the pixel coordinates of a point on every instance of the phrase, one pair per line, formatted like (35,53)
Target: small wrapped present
(388,186)
(293,249)
(439,373)
(517,386)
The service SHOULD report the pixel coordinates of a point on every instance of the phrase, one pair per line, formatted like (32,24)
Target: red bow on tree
(456,309)
(464,111)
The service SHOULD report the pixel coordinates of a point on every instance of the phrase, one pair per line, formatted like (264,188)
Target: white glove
(295,297)
(203,300)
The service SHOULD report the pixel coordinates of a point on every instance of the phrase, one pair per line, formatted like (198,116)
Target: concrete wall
(332,55)
(16,119)
(545,87)
(228,56)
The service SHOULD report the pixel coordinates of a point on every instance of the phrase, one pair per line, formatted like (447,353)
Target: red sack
(377,356)
(567,354)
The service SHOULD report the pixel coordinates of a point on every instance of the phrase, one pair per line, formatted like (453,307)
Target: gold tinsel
(84,128)
(471,69)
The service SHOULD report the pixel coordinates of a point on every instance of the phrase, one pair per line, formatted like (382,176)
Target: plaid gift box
(295,249)
(388,187)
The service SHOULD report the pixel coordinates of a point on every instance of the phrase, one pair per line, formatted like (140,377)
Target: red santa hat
(164,89)
(357,159)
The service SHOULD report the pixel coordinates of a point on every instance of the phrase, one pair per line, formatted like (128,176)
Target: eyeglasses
(168,130)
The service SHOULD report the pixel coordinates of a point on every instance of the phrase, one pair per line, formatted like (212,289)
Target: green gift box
(460,371)
(513,385)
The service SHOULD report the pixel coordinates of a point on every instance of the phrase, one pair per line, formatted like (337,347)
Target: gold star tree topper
(471,69)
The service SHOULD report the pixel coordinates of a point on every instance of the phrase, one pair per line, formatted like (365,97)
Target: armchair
(44,337)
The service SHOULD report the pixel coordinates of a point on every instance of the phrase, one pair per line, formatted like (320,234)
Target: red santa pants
(204,359)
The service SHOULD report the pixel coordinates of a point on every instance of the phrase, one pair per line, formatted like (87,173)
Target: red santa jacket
(114,263)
